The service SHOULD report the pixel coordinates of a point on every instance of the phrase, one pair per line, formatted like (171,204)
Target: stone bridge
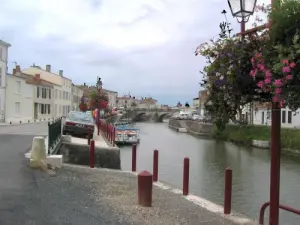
(156,115)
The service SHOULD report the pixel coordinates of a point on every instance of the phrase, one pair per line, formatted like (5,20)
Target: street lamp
(242,9)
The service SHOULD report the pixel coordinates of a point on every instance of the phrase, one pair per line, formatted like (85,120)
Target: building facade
(3,71)
(77,94)
(147,103)
(62,88)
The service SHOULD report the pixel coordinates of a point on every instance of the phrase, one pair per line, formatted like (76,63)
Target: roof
(124,98)
(32,80)
(195,98)
(88,89)
(39,68)
(4,43)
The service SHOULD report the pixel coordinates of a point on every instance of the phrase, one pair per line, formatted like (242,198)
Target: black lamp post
(99,88)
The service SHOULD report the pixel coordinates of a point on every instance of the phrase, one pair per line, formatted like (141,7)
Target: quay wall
(105,157)
(193,127)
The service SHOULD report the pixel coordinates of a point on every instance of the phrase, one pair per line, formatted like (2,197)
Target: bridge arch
(162,115)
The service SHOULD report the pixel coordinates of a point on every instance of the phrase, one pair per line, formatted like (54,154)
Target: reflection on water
(208,161)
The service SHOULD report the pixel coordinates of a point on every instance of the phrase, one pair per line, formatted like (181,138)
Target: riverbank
(244,135)
(290,138)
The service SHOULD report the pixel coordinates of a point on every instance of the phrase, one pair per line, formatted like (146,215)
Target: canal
(208,160)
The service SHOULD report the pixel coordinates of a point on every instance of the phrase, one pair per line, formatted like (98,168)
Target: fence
(54,134)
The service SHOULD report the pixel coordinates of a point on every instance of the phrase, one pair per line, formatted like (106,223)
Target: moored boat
(127,135)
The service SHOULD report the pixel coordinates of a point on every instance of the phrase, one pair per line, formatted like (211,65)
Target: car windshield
(80,117)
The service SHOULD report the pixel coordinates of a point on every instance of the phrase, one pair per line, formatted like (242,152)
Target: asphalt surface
(29,197)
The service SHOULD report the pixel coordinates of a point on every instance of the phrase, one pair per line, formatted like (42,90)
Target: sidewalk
(99,140)
(110,197)
(24,122)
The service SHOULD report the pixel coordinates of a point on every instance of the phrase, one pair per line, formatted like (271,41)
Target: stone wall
(79,154)
(191,126)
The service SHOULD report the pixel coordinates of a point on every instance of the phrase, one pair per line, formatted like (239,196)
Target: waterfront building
(77,94)
(62,88)
(3,71)
(28,98)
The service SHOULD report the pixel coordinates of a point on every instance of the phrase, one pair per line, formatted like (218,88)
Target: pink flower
(275,98)
(281,104)
(268,73)
(289,77)
(260,84)
(285,61)
(286,69)
(252,60)
(277,90)
(277,83)
(292,64)
(267,80)
(258,55)
(253,73)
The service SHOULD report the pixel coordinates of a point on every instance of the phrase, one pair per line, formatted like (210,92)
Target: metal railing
(284,207)
(54,133)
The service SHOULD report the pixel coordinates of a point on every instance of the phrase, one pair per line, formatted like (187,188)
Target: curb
(28,122)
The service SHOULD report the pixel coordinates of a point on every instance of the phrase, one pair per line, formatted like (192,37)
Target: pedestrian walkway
(110,197)
(99,140)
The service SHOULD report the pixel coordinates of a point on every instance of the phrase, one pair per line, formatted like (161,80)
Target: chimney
(14,71)
(48,68)
(61,72)
(37,77)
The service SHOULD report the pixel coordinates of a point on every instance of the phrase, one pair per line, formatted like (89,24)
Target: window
(55,94)
(49,109)
(289,116)
(18,91)
(59,94)
(37,92)
(283,116)
(49,93)
(17,108)
(42,108)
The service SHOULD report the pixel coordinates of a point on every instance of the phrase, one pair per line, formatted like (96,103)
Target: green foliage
(290,138)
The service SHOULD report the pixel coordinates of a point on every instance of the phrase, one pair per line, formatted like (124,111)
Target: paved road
(29,197)
(16,180)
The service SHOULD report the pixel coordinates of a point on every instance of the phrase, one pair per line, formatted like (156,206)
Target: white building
(112,97)
(3,70)
(62,88)
(262,115)
(28,98)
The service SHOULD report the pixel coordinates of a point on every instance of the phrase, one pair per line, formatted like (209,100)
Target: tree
(179,104)
(98,99)
(257,68)
(187,105)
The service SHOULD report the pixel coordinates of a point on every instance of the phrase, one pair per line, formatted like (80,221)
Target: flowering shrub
(263,67)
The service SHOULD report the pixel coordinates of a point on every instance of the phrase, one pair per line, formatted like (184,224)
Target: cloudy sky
(145,47)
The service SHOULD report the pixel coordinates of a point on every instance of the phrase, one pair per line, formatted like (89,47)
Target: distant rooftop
(4,43)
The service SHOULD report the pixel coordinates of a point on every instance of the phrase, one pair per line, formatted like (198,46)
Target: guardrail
(284,207)
(54,133)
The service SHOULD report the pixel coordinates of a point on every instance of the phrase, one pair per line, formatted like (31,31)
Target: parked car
(79,123)
(197,117)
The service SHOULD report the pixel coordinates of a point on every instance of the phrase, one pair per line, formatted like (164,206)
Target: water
(208,161)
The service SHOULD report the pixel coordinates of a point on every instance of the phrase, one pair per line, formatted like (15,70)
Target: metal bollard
(228,191)
(155,165)
(92,154)
(186,174)
(133,163)
(145,188)
(114,136)
(98,127)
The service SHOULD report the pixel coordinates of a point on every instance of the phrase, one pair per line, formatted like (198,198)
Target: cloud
(142,46)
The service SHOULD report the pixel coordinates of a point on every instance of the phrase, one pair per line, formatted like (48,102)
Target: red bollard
(89,136)
(145,189)
(186,176)
(92,154)
(133,165)
(228,191)
(155,165)
(98,127)
(114,136)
